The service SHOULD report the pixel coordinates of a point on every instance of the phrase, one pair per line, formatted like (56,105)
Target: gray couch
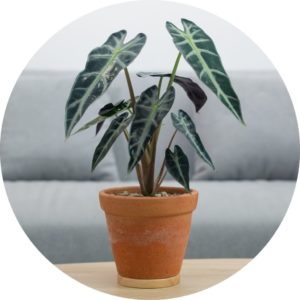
(241,204)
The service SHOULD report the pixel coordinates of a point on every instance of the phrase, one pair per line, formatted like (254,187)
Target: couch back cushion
(267,147)
(33,145)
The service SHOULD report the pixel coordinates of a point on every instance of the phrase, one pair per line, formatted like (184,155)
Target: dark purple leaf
(192,89)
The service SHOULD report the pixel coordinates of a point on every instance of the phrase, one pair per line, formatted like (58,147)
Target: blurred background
(48,180)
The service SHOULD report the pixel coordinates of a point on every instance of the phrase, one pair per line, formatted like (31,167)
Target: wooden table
(196,275)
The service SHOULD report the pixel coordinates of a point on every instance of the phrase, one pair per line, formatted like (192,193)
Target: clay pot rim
(109,192)
(140,207)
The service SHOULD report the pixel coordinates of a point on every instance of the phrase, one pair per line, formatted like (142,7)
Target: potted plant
(149,224)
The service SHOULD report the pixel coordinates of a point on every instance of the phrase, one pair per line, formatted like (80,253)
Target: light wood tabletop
(196,275)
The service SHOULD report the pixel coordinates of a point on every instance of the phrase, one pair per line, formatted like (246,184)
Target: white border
(26,25)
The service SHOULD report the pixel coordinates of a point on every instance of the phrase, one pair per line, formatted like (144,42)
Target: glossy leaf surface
(183,123)
(192,89)
(103,65)
(177,165)
(107,111)
(116,127)
(149,112)
(199,51)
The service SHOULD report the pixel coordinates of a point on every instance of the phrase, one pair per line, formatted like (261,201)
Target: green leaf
(103,65)
(200,52)
(177,165)
(117,126)
(149,112)
(107,111)
(99,119)
(99,126)
(192,89)
(185,125)
(111,109)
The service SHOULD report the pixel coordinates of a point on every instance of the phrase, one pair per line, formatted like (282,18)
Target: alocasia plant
(145,113)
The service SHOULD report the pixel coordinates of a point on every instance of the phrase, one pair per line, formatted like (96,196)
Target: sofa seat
(233,218)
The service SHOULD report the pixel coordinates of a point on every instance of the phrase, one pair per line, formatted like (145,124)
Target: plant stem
(159,85)
(132,97)
(161,179)
(146,172)
(130,88)
(172,77)
(150,153)
(161,176)
(138,168)
(140,178)
(126,134)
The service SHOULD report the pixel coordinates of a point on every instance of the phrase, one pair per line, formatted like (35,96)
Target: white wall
(68,49)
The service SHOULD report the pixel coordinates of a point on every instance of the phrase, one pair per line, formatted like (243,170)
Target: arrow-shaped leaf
(107,111)
(110,110)
(99,126)
(149,112)
(200,52)
(116,127)
(103,65)
(185,125)
(177,165)
(192,89)
(99,119)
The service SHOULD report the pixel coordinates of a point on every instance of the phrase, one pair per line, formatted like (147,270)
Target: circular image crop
(150,150)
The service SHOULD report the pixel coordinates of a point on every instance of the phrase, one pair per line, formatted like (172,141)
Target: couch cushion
(233,219)
(33,145)
(267,148)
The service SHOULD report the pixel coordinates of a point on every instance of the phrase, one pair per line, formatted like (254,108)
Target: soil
(159,194)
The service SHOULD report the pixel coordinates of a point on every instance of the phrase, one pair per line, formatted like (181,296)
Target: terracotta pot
(148,235)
